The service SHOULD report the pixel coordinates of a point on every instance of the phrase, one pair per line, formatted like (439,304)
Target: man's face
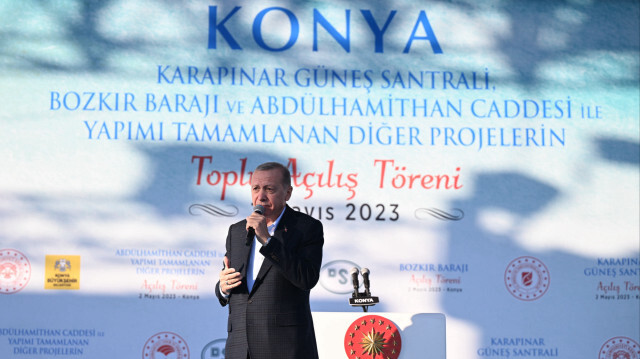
(267,190)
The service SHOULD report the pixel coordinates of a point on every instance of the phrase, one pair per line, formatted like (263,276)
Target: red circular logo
(527,278)
(620,348)
(165,345)
(15,271)
(372,336)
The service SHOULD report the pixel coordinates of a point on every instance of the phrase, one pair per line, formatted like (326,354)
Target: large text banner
(481,158)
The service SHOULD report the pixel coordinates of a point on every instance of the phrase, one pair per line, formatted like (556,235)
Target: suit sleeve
(299,264)
(223,301)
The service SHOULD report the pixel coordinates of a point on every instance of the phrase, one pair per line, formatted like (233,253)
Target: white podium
(422,334)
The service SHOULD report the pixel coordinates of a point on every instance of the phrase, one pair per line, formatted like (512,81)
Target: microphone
(365,279)
(364,299)
(252,232)
(354,280)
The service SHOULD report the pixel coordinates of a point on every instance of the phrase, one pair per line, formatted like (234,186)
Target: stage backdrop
(481,158)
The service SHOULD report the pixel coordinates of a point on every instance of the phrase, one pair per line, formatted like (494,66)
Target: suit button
(250,301)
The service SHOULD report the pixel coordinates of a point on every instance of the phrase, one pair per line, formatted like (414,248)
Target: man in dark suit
(267,283)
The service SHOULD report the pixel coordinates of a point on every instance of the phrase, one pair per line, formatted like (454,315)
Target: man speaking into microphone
(273,260)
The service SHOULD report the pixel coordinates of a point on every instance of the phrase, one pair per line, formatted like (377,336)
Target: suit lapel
(244,252)
(280,232)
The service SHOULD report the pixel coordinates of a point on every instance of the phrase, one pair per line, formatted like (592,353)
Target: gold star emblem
(372,337)
(373,343)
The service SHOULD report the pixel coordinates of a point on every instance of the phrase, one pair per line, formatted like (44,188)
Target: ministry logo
(527,278)
(165,345)
(620,348)
(15,271)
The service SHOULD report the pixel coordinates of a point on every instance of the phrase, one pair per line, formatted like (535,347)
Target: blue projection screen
(481,158)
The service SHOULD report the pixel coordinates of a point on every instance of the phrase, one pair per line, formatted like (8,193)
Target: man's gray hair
(268,166)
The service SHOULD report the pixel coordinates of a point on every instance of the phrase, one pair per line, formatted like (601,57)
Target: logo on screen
(214,350)
(526,278)
(165,345)
(372,336)
(15,271)
(620,348)
(334,276)
(62,272)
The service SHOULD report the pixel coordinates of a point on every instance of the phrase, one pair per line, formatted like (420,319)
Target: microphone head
(365,271)
(259,209)
(354,271)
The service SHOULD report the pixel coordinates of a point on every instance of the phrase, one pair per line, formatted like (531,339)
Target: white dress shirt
(256,258)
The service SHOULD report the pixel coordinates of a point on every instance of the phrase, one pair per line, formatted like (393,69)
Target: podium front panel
(422,334)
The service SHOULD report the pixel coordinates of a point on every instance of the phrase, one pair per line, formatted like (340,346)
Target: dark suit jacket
(274,320)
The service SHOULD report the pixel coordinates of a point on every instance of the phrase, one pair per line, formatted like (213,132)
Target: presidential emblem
(15,271)
(372,336)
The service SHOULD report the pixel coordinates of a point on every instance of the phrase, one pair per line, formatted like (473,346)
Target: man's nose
(262,195)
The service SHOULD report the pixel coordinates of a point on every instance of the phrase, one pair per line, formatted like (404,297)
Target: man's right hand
(229,278)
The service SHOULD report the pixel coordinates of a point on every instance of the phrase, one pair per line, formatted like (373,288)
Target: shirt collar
(272,227)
